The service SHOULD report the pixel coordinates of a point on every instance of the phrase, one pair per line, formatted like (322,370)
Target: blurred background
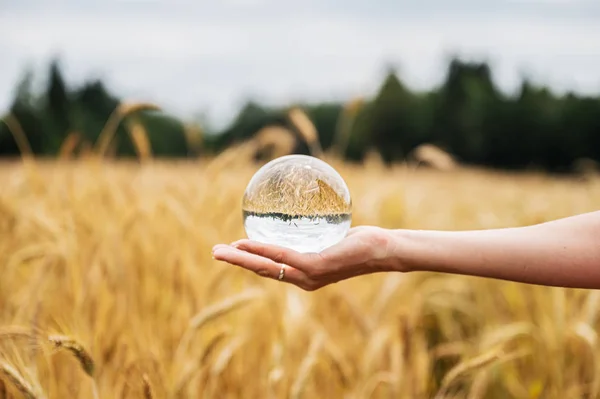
(509,84)
(446,115)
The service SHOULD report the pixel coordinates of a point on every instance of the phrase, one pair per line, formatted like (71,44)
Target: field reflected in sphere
(298,202)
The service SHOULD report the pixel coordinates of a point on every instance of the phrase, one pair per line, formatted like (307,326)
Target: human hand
(364,250)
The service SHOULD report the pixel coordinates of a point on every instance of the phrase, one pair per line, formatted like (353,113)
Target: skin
(564,252)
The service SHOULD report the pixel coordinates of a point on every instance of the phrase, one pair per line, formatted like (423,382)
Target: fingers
(262,266)
(306,262)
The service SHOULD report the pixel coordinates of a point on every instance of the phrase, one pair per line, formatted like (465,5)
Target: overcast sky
(191,56)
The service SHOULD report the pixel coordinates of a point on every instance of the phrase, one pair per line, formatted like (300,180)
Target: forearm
(565,252)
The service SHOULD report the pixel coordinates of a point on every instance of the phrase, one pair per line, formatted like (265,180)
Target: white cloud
(190,58)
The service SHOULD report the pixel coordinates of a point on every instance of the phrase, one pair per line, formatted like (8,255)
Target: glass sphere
(297,202)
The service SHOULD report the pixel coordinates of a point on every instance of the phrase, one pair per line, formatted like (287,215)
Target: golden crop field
(108,290)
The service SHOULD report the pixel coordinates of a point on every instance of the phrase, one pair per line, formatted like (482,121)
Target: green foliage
(395,122)
(467,116)
(48,119)
(166,134)
(325,117)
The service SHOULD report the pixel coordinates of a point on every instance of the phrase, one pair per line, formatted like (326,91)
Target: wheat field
(108,290)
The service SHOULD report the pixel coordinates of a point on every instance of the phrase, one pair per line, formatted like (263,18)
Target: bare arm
(565,252)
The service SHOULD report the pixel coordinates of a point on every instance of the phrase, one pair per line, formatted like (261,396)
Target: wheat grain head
(11,375)
(76,349)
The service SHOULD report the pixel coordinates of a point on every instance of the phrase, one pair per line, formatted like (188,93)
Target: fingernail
(218,246)
(220,251)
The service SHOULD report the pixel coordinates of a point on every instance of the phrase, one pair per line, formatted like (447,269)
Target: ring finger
(262,266)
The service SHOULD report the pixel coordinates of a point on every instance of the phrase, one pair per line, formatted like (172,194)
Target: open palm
(364,250)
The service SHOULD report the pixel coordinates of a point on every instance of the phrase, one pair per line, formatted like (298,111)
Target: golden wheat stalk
(338,362)
(15,128)
(306,366)
(278,139)
(225,356)
(480,362)
(147,386)
(372,383)
(506,333)
(433,156)
(397,366)
(363,320)
(112,124)
(76,349)
(140,140)
(194,136)
(221,362)
(344,125)
(225,306)
(589,312)
(213,312)
(307,130)
(68,146)
(480,385)
(12,376)
(587,335)
(12,332)
(235,155)
(185,376)
(377,345)
(86,150)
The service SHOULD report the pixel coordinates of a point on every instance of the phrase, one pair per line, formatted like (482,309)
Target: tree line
(467,115)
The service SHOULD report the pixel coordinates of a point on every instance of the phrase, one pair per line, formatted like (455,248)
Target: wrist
(397,250)
(404,249)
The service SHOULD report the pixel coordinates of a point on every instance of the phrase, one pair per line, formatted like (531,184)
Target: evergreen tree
(57,111)
(392,123)
(463,108)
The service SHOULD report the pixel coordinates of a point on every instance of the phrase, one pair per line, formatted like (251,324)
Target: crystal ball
(298,202)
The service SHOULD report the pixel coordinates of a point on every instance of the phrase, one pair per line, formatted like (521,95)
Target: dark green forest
(466,115)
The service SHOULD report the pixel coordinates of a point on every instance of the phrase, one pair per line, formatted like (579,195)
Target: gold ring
(281,273)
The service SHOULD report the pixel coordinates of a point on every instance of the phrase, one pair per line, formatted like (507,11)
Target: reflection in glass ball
(298,202)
